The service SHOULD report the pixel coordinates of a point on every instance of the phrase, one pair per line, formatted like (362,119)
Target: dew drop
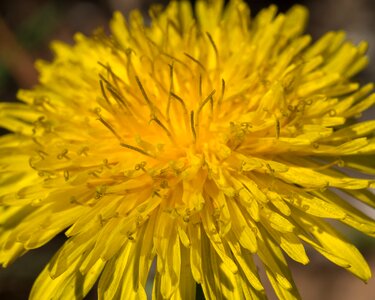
(332,113)
(97,110)
(340,163)
(36,202)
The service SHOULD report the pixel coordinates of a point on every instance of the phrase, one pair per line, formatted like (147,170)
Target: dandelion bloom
(197,141)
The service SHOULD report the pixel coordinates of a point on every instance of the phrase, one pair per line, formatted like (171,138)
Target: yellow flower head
(198,141)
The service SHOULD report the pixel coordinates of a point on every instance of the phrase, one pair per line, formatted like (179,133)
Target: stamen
(173,25)
(116,95)
(177,60)
(93,173)
(105,80)
(37,142)
(152,108)
(200,86)
(213,46)
(338,162)
(164,184)
(136,149)
(32,161)
(130,236)
(73,200)
(104,93)
(148,101)
(101,219)
(185,111)
(115,78)
(63,154)
(100,191)
(66,175)
(42,154)
(171,89)
(150,41)
(192,125)
(44,102)
(179,99)
(141,166)
(83,151)
(277,128)
(109,126)
(209,97)
(157,121)
(195,60)
(272,171)
(222,94)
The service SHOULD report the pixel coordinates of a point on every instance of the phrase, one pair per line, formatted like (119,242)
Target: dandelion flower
(198,141)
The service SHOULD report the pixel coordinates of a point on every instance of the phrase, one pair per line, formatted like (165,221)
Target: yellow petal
(69,285)
(112,281)
(334,247)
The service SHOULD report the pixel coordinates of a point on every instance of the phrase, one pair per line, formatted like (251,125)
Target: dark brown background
(28,26)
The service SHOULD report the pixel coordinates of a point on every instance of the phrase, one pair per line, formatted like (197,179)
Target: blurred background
(28,26)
